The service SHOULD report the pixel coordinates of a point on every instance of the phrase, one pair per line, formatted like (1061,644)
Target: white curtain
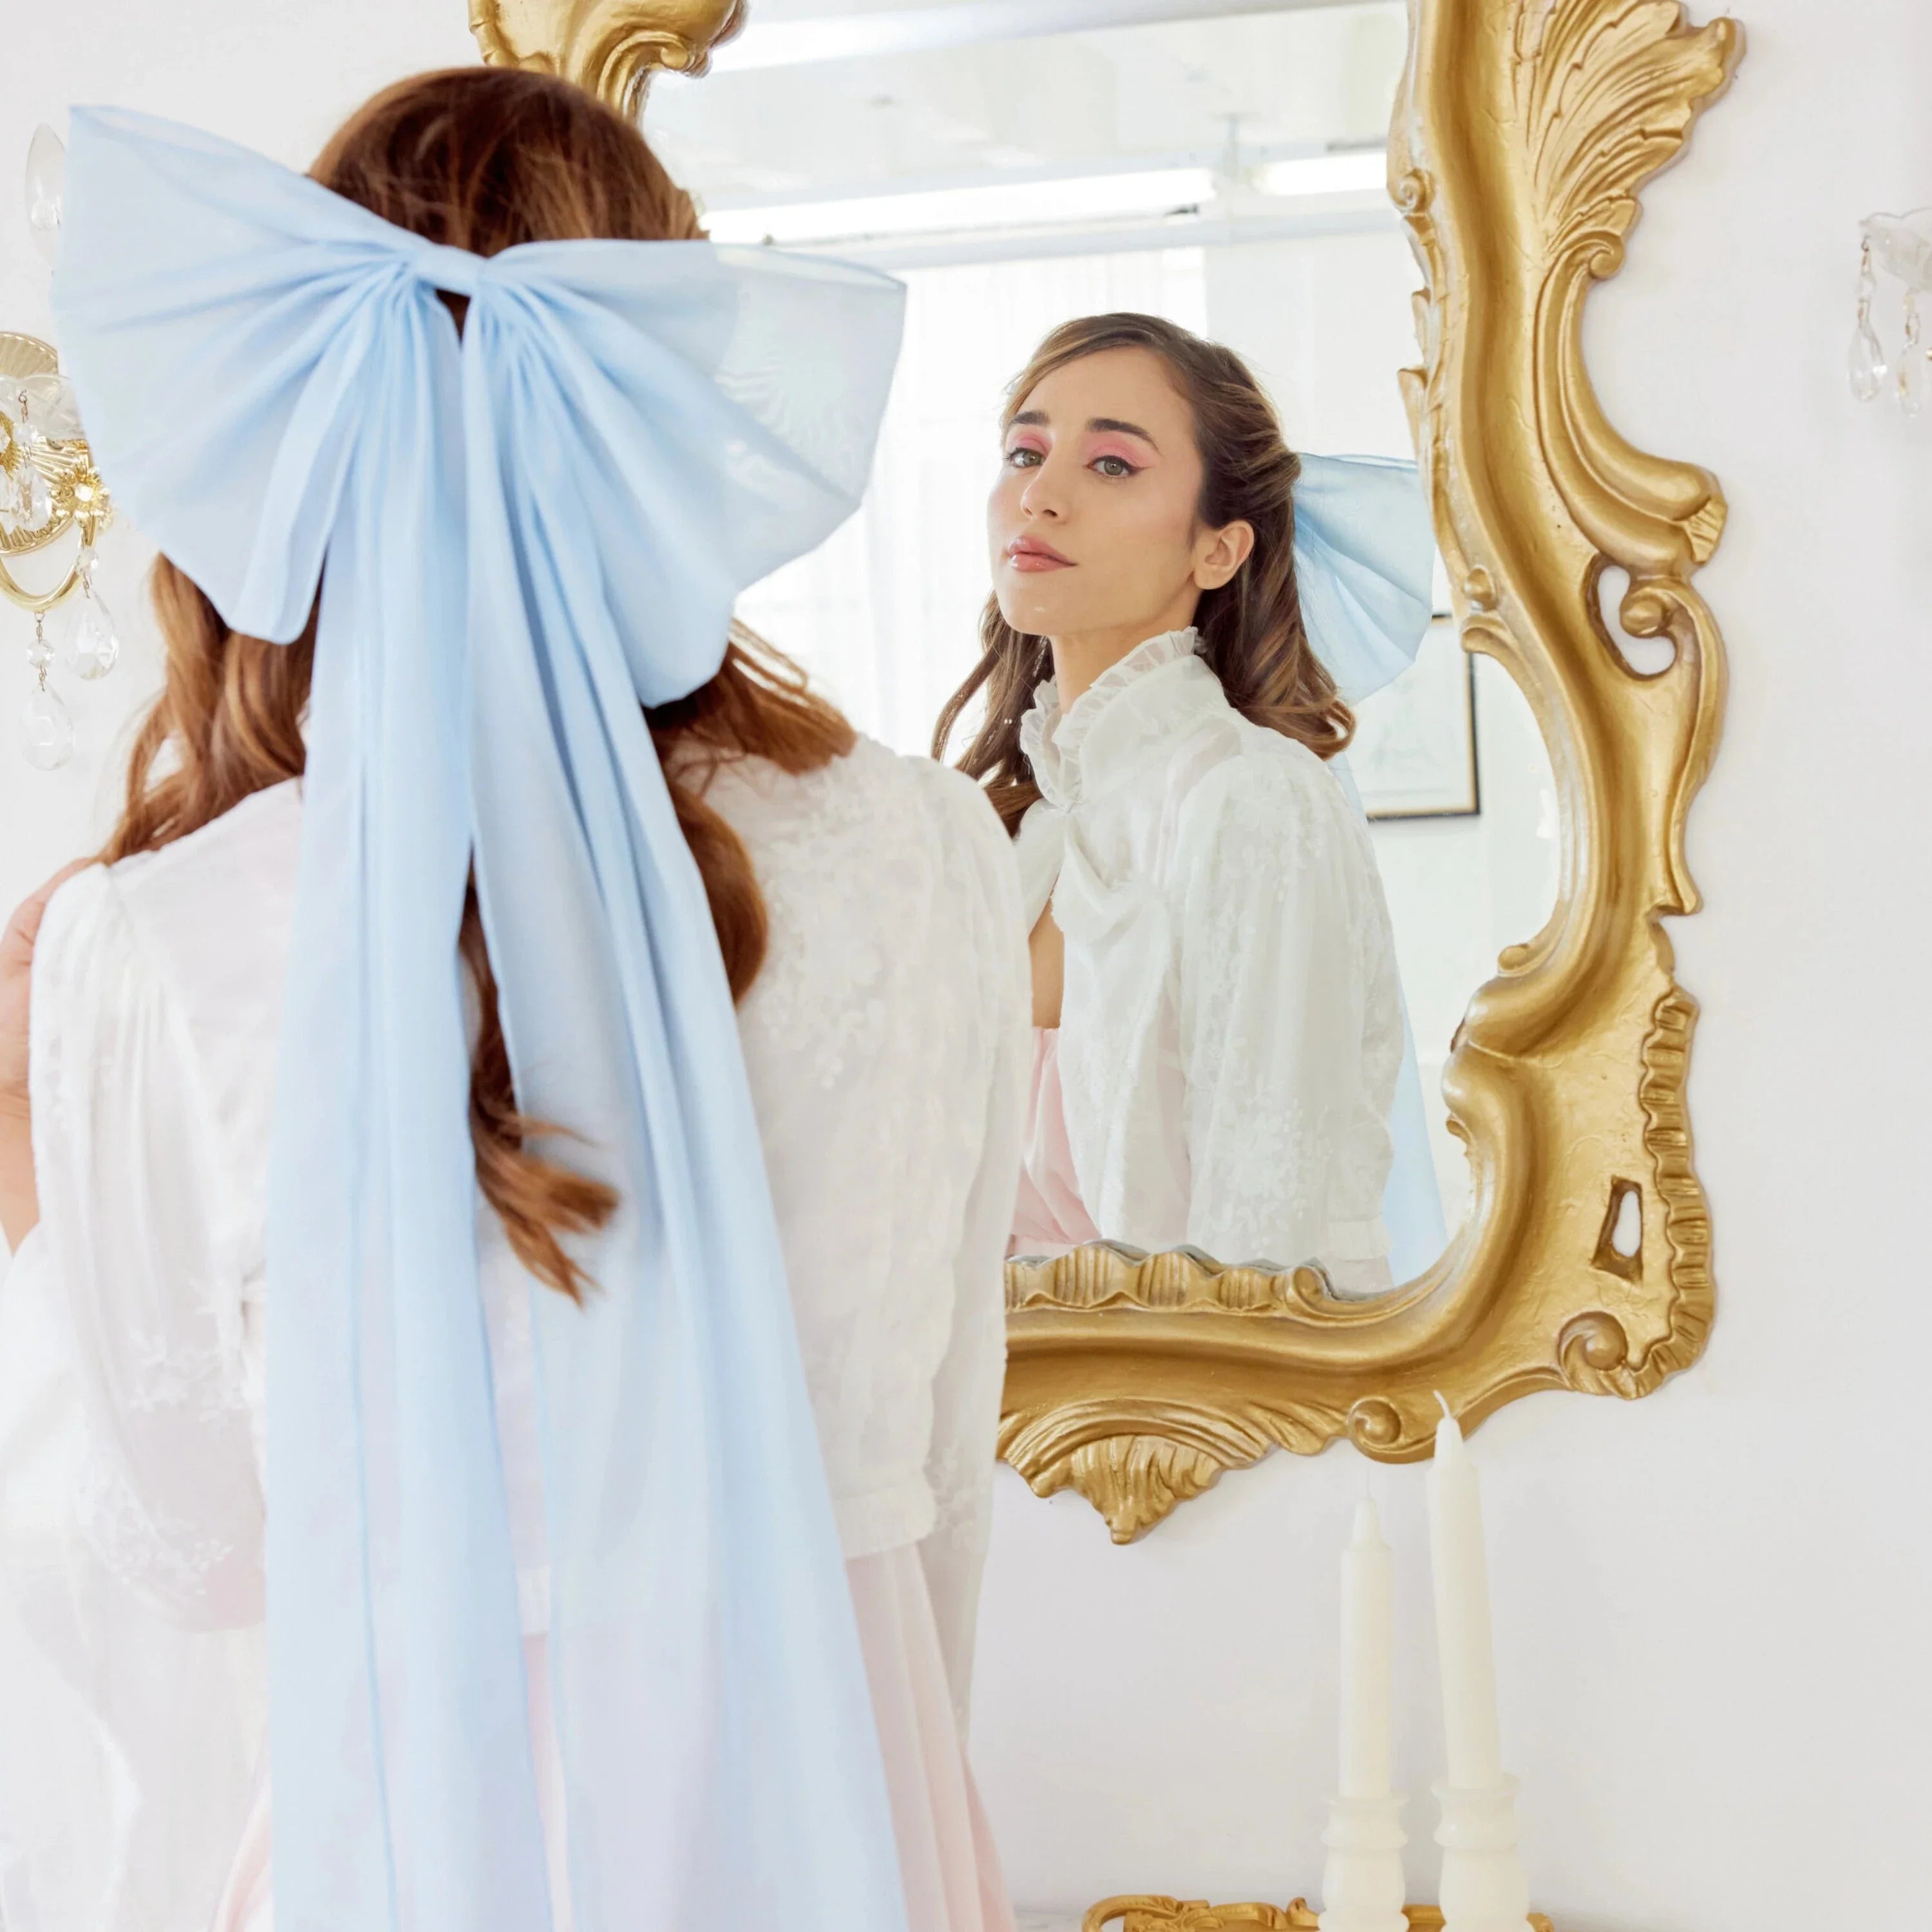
(886,614)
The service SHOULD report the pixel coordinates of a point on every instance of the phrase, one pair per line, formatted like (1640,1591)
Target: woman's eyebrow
(1123,428)
(1038,419)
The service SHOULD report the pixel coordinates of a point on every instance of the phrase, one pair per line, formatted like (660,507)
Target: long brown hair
(480,158)
(1252,637)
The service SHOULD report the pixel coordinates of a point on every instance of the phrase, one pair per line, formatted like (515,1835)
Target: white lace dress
(1230,1026)
(886,1042)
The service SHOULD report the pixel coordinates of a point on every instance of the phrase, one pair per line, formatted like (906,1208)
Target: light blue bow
(1364,565)
(520,538)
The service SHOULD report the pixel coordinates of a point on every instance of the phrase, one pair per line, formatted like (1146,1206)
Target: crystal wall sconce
(1900,244)
(48,487)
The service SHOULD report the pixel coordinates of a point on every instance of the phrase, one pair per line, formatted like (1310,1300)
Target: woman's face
(1092,523)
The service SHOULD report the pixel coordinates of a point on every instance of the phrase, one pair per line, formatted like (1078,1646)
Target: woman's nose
(1042,496)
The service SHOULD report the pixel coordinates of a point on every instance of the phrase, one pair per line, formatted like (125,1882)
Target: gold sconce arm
(76,497)
(36,603)
(50,486)
(79,499)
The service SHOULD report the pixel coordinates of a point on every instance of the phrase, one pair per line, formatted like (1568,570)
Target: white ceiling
(1102,97)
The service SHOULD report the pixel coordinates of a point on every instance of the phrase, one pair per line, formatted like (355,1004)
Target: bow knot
(454,272)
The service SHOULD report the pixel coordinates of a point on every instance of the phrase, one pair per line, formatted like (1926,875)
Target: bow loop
(1365,565)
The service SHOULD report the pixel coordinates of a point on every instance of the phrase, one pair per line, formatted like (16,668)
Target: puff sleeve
(1290,1019)
(141,1233)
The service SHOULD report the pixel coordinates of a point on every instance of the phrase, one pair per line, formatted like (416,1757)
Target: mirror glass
(1249,964)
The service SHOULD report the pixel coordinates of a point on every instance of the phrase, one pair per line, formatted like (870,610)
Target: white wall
(1714,1608)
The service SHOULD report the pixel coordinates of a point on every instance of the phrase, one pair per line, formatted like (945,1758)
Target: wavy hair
(1252,637)
(480,158)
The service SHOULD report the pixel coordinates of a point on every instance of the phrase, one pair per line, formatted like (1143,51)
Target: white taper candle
(1361,1879)
(1463,1613)
(1368,1646)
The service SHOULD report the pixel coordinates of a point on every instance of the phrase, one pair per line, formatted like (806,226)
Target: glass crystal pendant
(47,406)
(1914,386)
(46,728)
(1866,364)
(25,503)
(83,632)
(1915,382)
(47,185)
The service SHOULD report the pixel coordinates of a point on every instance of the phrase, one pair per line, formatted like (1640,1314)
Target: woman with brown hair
(500,990)
(1218,1019)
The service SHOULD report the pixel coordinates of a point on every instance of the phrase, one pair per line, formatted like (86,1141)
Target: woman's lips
(1029,554)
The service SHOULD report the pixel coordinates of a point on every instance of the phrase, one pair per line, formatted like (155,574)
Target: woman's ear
(1219,554)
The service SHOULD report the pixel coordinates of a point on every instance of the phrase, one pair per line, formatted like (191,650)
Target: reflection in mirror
(1223,946)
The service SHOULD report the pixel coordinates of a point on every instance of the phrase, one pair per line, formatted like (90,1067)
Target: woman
(1218,1019)
(558,1630)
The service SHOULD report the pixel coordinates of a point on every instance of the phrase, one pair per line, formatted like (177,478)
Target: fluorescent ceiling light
(1326,174)
(1148,194)
(770,43)
(947,210)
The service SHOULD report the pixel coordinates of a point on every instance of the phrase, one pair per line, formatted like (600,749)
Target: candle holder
(1146,1912)
(1483,1888)
(1362,1886)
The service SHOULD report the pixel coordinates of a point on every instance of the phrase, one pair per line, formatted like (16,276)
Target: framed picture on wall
(1415,752)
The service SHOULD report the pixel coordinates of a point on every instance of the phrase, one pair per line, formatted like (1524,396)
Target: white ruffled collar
(1156,692)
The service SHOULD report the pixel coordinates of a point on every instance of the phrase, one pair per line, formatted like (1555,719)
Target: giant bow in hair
(520,536)
(1364,563)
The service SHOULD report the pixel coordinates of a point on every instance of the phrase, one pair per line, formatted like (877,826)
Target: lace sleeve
(138,1222)
(983,882)
(1283,954)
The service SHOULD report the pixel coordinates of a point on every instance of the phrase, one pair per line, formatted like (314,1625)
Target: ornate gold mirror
(1299,168)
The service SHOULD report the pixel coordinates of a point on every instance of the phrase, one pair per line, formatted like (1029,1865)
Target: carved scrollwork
(611,47)
(1150,1912)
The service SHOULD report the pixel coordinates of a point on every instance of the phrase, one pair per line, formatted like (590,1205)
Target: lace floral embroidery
(867,1044)
(161,1555)
(200,1379)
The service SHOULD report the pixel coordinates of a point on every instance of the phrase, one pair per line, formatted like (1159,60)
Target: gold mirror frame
(1522,133)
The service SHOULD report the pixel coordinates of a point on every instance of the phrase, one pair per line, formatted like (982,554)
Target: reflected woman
(1218,1015)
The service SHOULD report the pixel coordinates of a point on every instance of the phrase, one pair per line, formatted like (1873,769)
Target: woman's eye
(1023,457)
(1114,465)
